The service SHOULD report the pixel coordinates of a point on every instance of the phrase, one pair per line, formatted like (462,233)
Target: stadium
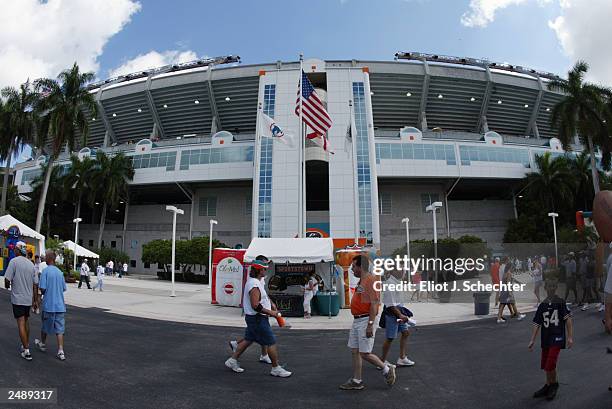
(423,129)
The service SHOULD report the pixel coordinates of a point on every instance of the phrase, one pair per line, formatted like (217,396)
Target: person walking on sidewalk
(396,320)
(84,276)
(570,278)
(555,321)
(100,278)
(53,286)
(364,308)
(20,277)
(257,309)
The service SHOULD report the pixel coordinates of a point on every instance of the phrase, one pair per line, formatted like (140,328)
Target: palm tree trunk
(102,221)
(593,165)
(78,208)
(43,195)
(7,171)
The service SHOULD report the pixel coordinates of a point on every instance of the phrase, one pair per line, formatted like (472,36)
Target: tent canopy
(80,251)
(288,250)
(8,221)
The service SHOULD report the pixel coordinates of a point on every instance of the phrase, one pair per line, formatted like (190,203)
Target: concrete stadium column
(372,154)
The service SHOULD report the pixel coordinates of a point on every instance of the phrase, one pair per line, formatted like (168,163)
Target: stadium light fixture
(114,114)
(440,96)
(196,102)
(227,99)
(499,101)
(139,110)
(76,239)
(93,119)
(472,99)
(174,211)
(165,105)
(526,105)
(408,94)
(371,93)
(210,249)
(547,109)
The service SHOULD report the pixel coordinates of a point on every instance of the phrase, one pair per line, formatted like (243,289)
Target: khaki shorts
(358,338)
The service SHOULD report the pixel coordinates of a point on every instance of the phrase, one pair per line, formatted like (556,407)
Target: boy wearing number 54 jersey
(554,319)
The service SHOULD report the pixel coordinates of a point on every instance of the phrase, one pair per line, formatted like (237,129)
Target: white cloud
(584,32)
(152,59)
(482,12)
(39,39)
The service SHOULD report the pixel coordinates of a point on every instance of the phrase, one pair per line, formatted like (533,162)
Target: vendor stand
(12,231)
(291,261)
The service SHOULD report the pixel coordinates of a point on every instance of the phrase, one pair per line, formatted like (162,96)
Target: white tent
(79,250)
(287,250)
(7,221)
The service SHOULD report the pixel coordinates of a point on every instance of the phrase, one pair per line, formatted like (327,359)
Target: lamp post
(76,240)
(406,220)
(554,220)
(174,211)
(432,208)
(212,223)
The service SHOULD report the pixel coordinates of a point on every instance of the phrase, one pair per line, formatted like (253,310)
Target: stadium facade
(424,129)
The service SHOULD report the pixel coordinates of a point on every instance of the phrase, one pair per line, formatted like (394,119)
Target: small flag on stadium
(314,114)
(270,129)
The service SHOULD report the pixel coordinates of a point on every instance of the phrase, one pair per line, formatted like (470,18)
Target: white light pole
(406,220)
(212,223)
(174,211)
(76,240)
(554,219)
(432,208)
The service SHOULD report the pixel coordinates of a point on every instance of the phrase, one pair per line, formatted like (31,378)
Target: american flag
(313,112)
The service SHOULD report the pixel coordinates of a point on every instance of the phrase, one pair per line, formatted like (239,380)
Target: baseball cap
(259,264)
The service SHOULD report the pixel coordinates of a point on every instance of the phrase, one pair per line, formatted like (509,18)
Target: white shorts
(358,338)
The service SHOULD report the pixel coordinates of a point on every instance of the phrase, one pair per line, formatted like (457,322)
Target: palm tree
(77,179)
(110,177)
(18,128)
(62,118)
(553,183)
(580,167)
(580,112)
(54,195)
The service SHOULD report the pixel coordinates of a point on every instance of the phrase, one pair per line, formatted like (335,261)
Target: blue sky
(265,31)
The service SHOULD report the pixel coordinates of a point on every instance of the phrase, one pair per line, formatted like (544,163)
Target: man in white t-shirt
(257,309)
(395,319)
(84,276)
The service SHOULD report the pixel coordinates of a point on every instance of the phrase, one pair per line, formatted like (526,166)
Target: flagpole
(354,168)
(302,193)
(255,198)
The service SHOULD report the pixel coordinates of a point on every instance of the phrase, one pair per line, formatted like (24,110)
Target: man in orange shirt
(364,307)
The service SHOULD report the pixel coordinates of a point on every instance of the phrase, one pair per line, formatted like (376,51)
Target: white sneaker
(404,362)
(411,322)
(501,321)
(61,356)
(280,372)
(601,308)
(521,317)
(233,364)
(233,345)
(584,307)
(265,359)
(41,347)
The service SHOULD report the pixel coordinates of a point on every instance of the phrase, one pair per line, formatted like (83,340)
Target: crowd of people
(39,287)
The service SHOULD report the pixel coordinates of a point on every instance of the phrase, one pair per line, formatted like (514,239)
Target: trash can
(482,302)
(324,306)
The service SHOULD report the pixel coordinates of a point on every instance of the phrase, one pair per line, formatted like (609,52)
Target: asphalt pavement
(125,362)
